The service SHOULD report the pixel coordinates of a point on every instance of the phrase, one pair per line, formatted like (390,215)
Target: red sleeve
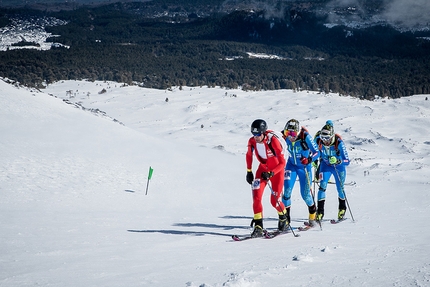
(249,153)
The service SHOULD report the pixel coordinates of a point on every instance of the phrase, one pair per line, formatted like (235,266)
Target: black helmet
(258,127)
(292,125)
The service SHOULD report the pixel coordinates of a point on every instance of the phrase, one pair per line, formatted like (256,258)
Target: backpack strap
(270,135)
(302,136)
(280,138)
(337,140)
(269,142)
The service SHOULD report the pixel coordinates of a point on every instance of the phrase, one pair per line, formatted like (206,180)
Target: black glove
(266,175)
(249,177)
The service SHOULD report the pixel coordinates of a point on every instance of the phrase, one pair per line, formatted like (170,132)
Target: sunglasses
(290,133)
(256,134)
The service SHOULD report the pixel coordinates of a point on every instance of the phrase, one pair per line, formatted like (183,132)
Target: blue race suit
(295,168)
(338,170)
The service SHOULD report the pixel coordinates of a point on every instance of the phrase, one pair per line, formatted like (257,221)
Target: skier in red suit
(269,152)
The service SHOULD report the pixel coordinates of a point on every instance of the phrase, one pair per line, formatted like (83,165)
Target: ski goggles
(256,134)
(288,133)
(325,137)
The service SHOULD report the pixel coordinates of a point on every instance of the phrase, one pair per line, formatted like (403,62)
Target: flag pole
(149,178)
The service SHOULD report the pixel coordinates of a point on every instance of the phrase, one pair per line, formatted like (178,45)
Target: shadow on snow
(204,225)
(208,225)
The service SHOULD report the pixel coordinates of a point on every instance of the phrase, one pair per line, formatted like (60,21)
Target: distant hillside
(186,45)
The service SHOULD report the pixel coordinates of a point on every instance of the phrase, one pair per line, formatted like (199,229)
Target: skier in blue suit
(333,161)
(303,151)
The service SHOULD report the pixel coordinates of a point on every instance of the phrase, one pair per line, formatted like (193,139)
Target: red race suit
(270,161)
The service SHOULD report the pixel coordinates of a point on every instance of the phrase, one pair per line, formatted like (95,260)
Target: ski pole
(312,192)
(314,184)
(273,193)
(309,184)
(344,193)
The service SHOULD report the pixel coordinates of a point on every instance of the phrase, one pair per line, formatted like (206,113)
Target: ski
(267,235)
(351,183)
(247,236)
(242,237)
(306,226)
(273,234)
(336,221)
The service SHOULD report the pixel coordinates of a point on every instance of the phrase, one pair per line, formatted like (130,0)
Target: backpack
(281,140)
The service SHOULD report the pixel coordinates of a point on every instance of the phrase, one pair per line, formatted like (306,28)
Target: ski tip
(241,237)
(336,221)
(235,238)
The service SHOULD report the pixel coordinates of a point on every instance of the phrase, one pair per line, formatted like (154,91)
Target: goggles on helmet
(325,136)
(289,133)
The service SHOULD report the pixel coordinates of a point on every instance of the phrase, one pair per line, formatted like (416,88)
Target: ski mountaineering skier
(315,163)
(267,148)
(303,151)
(333,161)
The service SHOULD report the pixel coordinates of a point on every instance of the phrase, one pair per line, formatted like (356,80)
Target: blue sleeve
(313,147)
(343,153)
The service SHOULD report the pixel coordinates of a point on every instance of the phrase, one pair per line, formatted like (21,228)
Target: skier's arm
(343,153)
(314,152)
(249,154)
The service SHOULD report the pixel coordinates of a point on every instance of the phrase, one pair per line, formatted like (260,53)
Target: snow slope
(74,210)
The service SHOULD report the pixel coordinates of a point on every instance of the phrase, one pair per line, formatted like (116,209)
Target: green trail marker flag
(149,178)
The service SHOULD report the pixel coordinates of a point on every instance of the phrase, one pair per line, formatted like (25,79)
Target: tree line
(116,43)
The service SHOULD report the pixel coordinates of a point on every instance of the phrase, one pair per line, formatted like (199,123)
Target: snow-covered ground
(74,211)
(30,30)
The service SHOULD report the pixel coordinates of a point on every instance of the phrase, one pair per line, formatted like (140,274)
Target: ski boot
(258,228)
(342,209)
(312,219)
(283,222)
(312,215)
(320,210)
(258,232)
(341,214)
